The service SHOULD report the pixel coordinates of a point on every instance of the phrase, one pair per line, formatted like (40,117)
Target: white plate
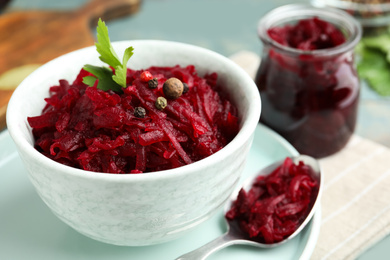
(28,230)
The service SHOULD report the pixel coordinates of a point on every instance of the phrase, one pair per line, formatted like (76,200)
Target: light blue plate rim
(26,222)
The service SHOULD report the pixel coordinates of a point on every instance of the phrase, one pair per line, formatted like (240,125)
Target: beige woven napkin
(356,196)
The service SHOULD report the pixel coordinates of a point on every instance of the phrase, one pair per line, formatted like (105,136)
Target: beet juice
(308,84)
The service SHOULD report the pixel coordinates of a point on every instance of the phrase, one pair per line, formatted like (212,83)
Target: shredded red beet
(311,100)
(95,130)
(308,34)
(276,204)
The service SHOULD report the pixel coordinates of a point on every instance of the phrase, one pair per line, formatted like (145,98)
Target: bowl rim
(246,130)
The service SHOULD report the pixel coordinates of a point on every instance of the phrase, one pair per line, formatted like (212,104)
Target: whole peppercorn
(153,83)
(185,88)
(139,112)
(173,88)
(161,103)
(146,76)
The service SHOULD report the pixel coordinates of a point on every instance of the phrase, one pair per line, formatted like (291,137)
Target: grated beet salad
(276,204)
(308,34)
(138,130)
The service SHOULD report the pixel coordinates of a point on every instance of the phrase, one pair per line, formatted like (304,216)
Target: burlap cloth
(356,196)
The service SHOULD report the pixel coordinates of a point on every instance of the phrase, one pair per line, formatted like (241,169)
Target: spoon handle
(204,251)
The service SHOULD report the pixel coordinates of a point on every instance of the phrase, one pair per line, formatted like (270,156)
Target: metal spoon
(234,236)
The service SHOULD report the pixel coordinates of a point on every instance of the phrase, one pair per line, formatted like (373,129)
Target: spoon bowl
(235,236)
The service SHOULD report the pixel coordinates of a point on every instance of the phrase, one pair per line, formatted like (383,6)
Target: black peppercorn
(185,88)
(139,112)
(153,83)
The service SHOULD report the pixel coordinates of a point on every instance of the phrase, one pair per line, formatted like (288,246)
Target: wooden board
(31,38)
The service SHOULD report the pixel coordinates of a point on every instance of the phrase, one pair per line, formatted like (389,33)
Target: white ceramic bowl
(136,209)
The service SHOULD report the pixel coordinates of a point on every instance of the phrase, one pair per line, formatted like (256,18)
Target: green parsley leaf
(106,78)
(380,42)
(104,47)
(121,70)
(375,69)
(104,75)
(374,62)
(89,80)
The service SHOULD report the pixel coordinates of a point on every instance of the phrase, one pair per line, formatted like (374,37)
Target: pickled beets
(276,204)
(91,129)
(309,99)
(308,34)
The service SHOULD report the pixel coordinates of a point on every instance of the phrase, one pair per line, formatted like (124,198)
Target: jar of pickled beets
(307,80)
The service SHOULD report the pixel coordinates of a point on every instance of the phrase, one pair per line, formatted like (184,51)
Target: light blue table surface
(227,27)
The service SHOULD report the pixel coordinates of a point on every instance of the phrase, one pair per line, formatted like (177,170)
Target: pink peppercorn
(146,76)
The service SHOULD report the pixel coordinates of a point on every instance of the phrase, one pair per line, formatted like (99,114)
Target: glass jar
(309,97)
